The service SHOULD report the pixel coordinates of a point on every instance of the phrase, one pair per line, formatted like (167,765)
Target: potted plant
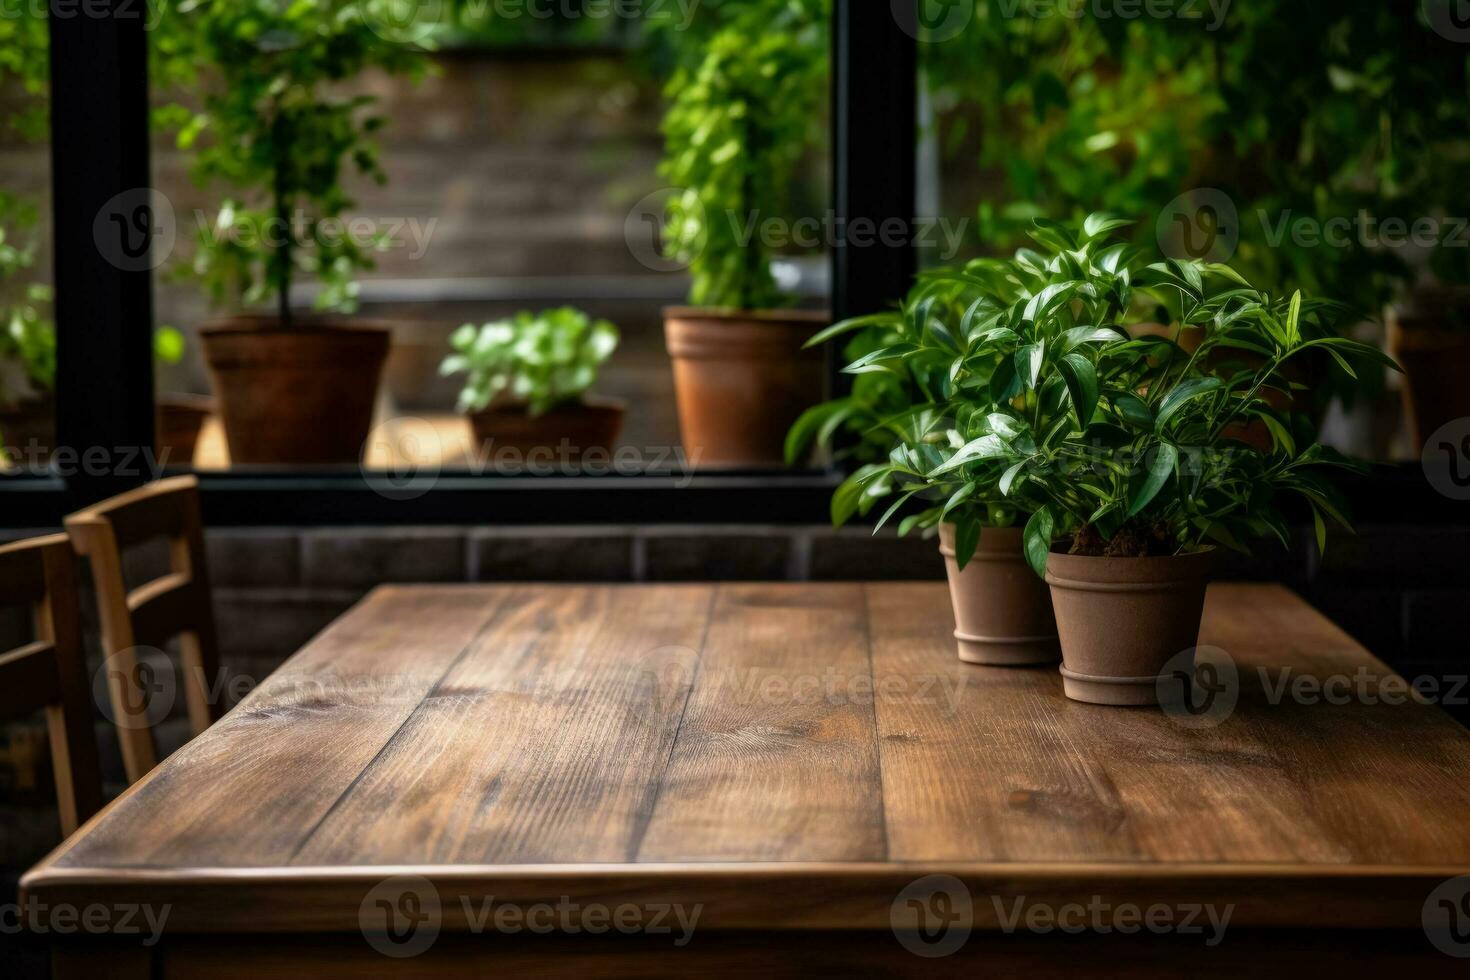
(290,388)
(1118,447)
(735,132)
(526,382)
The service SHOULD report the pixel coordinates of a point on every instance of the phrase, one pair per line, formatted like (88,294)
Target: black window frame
(104,314)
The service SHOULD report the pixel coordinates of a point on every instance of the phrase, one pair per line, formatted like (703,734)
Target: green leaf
(1028,363)
(1008,478)
(1182,395)
(966,540)
(1293,320)
(1134,410)
(893,510)
(1101,223)
(960,496)
(1280,437)
(1160,467)
(1081,381)
(986,447)
(1037,540)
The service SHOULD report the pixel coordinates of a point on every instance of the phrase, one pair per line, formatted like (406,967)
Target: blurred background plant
(274,131)
(538,360)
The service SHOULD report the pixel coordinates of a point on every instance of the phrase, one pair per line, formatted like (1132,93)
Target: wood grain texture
(776,759)
(544,743)
(50,673)
(786,755)
(177,605)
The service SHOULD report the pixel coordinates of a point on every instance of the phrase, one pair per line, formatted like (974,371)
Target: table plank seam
(490,620)
(645,819)
(877,732)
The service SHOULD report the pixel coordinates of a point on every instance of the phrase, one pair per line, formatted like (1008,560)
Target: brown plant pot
(566,433)
(298,394)
(1122,619)
(180,420)
(741,379)
(31,421)
(1436,362)
(1002,611)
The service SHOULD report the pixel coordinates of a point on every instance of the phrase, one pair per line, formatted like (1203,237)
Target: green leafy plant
(275,128)
(539,360)
(1041,406)
(739,121)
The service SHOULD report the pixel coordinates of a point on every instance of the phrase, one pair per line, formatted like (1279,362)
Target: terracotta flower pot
(1122,619)
(1435,356)
(741,379)
(298,394)
(1002,611)
(564,434)
(180,420)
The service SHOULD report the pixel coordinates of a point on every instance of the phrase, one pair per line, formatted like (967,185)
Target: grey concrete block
(259,628)
(266,557)
(569,554)
(857,555)
(719,554)
(363,558)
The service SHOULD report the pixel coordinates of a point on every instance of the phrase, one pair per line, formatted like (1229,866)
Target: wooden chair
(51,671)
(177,605)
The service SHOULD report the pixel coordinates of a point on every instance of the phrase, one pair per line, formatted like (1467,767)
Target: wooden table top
(791,754)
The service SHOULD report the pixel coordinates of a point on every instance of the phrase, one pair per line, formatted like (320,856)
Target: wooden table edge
(827,896)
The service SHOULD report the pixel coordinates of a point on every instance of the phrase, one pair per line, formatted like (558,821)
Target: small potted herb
(291,388)
(527,378)
(1120,450)
(739,122)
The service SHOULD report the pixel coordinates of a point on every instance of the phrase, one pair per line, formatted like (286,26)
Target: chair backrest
(176,605)
(50,673)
